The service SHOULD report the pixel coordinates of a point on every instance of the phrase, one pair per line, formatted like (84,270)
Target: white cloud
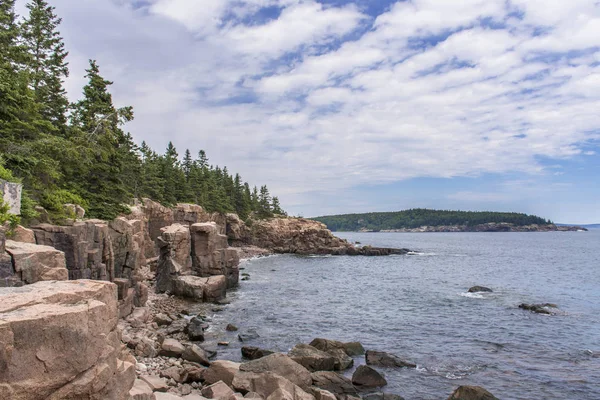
(324,98)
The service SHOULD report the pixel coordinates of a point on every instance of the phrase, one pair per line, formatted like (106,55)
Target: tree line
(78,152)
(418,217)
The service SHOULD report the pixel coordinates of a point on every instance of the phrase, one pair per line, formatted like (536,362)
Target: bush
(54,202)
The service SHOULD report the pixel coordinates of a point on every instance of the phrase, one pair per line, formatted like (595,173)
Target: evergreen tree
(264,203)
(276,207)
(46,61)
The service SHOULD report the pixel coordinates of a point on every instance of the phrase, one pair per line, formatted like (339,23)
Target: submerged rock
(254,353)
(384,359)
(477,289)
(471,393)
(545,308)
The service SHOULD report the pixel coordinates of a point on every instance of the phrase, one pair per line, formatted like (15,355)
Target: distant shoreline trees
(415,218)
(79,153)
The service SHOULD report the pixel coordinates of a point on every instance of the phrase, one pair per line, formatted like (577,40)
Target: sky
(366,105)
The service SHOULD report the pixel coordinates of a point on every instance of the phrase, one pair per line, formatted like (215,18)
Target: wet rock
(354,349)
(171,348)
(333,382)
(248,336)
(384,359)
(231,328)
(195,354)
(218,391)
(382,396)
(367,377)
(281,365)
(471,393)
(195,329)
(477,289)
(253,353)
(221,371)
(545,308)
(342,360)
(312,358)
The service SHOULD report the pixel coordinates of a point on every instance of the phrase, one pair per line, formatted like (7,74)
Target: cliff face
(59,340)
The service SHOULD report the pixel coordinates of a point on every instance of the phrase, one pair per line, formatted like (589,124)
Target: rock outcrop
(33,263)
(544,308)
(211,254)
(10,193)
(471,393)
(59,340)
(384,359)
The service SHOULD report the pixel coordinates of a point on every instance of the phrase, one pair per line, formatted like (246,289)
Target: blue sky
(354,106)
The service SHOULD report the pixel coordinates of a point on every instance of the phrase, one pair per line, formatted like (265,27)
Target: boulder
(254,353)
(545,308)
(156,383)
(221,371)
(367,377)
(281,365)
(341,352)
(266,384)
(471,393)
(195,329)
(334,383)
(23,235)
(248,336)
(171,348)
(354,349)
(312,358)
(196,354)
(218,391)
(382,396)
(477,289)
(209,289)
(141,391)
(321,394)
(384,359)
(59,340)
(34,263)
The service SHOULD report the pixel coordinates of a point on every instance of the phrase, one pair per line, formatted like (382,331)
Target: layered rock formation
(59,340)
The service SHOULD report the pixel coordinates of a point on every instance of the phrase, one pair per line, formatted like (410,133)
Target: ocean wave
(418,253)
(478,295)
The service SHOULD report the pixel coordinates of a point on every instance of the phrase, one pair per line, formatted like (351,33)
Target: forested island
(427,220)
(78,153)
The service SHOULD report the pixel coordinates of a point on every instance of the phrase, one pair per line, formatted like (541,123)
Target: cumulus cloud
(310,98)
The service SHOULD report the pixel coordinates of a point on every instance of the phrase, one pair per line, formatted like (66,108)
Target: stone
(333,382)
(339,351)
(367,377)
(471,393)
(321,394)
(218,391)
(382,396)
(266,383)
(281,365)
(122,287)
(209,289)
(312,358)
(477,289)
(162,319)
(248,336)
(252,395)
(59,340)
(139,317)
(384,359)
(253,353)
(156,383)
(23,235)
(128,240)
(354,349)
(178,237)
(171,348)
(221,371)
(211,255)
(35,263)
(175,373)
(10,193)
(231,328)
(195,354)
(141,391)
(342,360)
(195,329)
(166,396)
(545,308)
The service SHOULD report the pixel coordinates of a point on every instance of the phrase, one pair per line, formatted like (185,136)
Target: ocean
(417,307)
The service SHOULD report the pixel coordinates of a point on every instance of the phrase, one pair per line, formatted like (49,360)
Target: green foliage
(5,217)
(88,159)
(416,218)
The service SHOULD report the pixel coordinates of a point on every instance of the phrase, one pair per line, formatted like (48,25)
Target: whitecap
(417,253)
(472,295)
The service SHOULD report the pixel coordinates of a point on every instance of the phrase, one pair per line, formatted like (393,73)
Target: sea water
(417,307)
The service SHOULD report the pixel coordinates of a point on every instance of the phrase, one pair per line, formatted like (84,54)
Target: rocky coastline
(489,227)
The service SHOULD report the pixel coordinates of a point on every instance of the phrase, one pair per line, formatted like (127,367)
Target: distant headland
(427,220)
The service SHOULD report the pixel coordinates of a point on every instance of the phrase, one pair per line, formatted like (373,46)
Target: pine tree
(276,207)
(264,201)
(46,61)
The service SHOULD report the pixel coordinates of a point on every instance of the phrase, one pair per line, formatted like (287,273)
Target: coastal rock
(141,391)
(281,365)
(477,289)
(334,383)
(209,289)
(327,345)
(384,359)
(221,371)
(33,263)
(367,377)
(382,396)
(218,391)
(196,354)
(171,348)
(312,358)
(266,384)
(41,358)
(23,235)
(195,329)
(545,308)
(321,394)
(471,393)
(354,349)
(254,353)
